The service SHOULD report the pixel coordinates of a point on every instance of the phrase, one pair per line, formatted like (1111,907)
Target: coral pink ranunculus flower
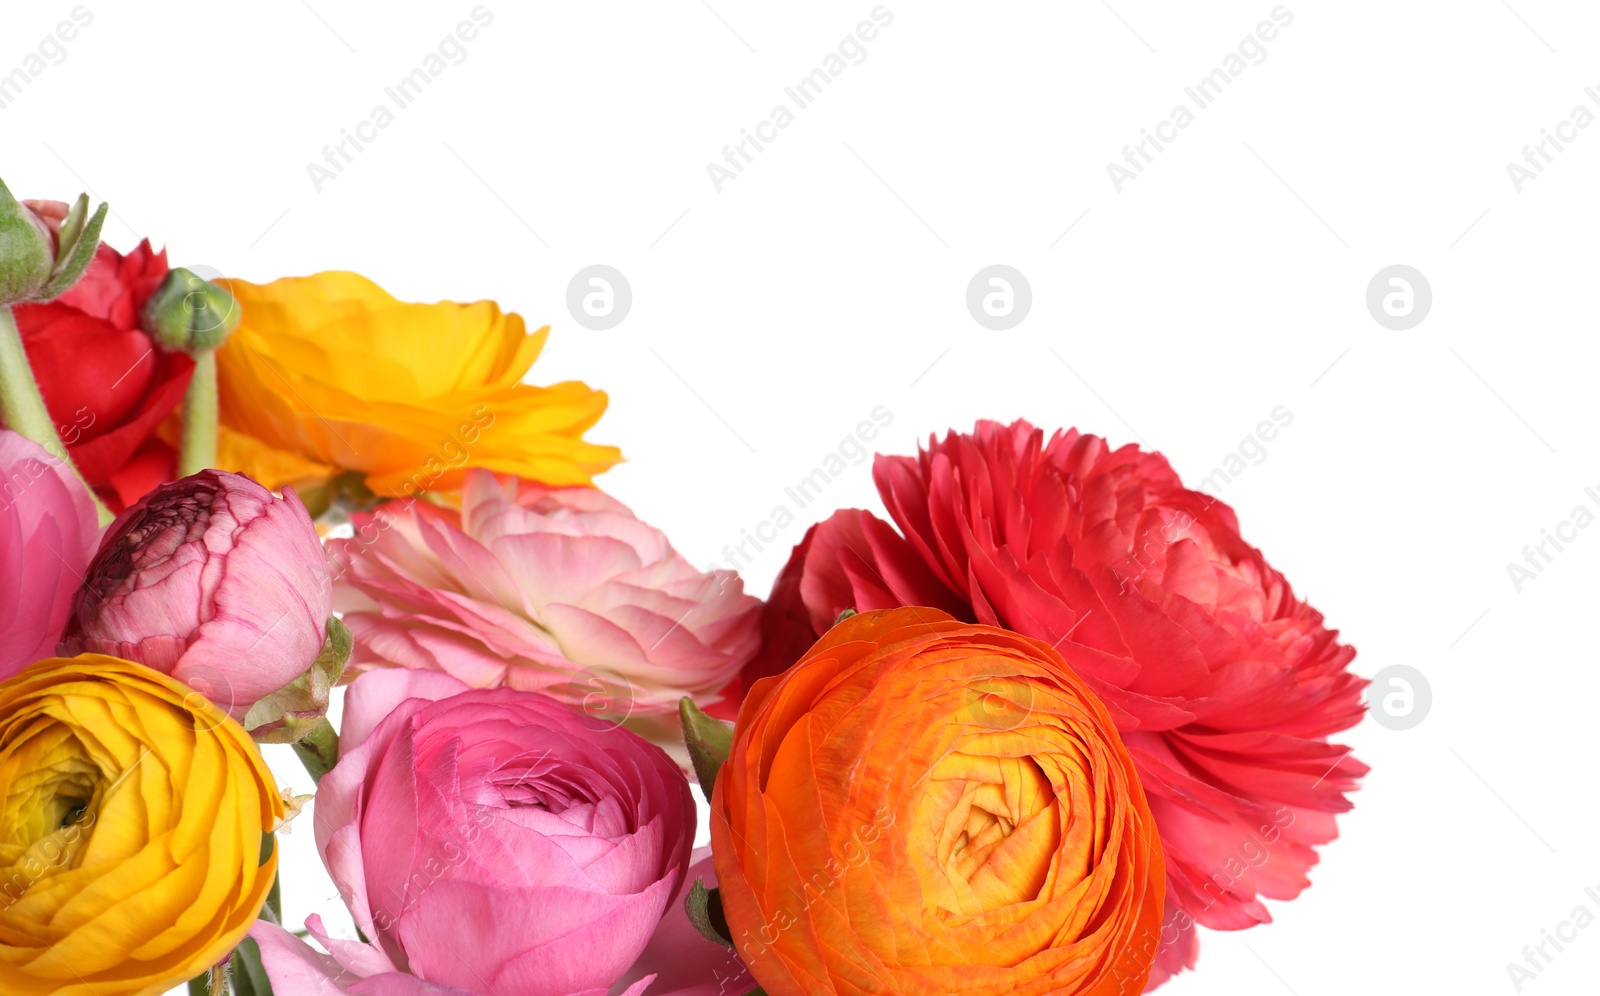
(48,532)
(555,589)
(490,840)
(212,580)
(1224,684)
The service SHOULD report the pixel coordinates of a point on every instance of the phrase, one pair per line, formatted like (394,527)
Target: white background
(829,278)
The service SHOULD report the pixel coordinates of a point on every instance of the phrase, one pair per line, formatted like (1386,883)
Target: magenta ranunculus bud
(214,581)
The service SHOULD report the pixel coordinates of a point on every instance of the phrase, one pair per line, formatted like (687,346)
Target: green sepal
(73,259)
(704,907)
(710,741)
(288,715)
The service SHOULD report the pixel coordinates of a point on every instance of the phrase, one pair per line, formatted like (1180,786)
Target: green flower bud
(189,314)
(41,256)
(27,251)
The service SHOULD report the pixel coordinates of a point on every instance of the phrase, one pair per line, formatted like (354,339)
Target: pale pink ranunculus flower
(561,590)
(48,532)
(212,580)
(488,840)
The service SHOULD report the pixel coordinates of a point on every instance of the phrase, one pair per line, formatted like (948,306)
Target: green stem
(318,750)
(199,449)
(22,406)
(213,983)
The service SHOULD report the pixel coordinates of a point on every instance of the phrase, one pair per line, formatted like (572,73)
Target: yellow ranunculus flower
(132,822)
(328,373)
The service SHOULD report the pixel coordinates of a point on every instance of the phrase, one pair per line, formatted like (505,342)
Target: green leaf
(249,975)
(846,614)
(704,907)
(710,741)
(272,910)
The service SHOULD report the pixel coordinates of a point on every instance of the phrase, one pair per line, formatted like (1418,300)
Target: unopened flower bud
(189,314)
(44,246)
(214,581)
(27,250)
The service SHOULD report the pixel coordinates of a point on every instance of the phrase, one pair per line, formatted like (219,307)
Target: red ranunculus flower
(1224,684)
(106,384)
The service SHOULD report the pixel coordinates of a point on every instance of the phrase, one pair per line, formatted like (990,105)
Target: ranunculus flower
(106,385)
(48,532)
(136,825)
(1224,683)
(559,589)
(491,840)
(926,806)
(212,580)
(329,374)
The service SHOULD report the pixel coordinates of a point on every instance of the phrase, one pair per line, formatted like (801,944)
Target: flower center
(988,826)
(49,809)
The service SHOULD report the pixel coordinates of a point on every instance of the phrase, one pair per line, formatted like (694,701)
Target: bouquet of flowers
(1023,736)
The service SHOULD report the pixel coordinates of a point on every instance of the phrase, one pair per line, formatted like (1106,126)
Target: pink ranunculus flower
(212,580)
(489,840)
(48,531)
(555,589)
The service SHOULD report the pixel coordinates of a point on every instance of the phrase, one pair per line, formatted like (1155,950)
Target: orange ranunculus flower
(921,806)
(327,374)
(135,830)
